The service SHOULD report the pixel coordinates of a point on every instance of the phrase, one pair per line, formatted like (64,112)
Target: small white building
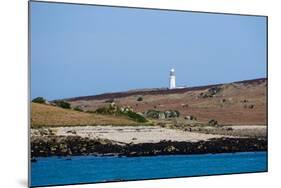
(172,79)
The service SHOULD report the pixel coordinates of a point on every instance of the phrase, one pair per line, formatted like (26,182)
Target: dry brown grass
(50,116)
(232,111)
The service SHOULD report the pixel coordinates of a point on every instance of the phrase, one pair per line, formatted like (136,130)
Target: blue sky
(79,50)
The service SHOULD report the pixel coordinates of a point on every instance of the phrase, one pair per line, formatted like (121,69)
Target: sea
(92,169)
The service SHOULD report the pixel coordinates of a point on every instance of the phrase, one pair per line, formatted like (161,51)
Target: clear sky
(79,50)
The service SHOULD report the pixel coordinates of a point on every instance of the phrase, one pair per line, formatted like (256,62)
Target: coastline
(220,118)
(76,145)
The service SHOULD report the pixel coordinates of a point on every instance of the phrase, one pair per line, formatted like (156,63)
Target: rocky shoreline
(76,145)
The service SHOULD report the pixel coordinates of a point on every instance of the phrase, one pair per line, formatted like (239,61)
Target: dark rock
(210,92)
(244,101)
(249,106)
(213,122)
(71,131)
(74,145)
(190,117)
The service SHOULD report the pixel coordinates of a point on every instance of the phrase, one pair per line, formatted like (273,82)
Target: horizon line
(135,90)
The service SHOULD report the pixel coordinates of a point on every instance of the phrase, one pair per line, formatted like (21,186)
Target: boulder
(249,106)
(161,115)
(172,113)
(155,114)
(190,117)
(210,92)
(170,149)
(213,122)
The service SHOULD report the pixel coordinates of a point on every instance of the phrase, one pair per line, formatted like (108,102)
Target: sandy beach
(151,134)
(131,134)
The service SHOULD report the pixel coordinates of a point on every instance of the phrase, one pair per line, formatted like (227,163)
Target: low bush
(140,99)
(62,104)
(40,100)
(109,110)
(113,109)
(136,117)
(77,108)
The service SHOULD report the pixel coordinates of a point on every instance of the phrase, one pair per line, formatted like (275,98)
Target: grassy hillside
(47,115)
(232,103)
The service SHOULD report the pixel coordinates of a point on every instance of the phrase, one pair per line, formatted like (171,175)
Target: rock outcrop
(75,145)
(155,114)
(211,92)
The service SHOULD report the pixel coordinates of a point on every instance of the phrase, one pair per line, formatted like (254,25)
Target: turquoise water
(90,169)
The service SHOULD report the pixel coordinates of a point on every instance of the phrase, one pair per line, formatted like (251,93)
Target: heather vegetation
(116,110)
(39,100)
(62,104)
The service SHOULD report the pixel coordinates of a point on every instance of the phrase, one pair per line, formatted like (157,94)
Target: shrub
(77,108)
(90,111)
(140,99)
(40,100)
(136,117)
(113,109)
(102,110)
(62,104)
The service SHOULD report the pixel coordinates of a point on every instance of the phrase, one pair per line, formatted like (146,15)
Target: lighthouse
(172,79)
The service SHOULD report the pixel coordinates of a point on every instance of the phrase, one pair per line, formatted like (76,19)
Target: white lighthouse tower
(172,79)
